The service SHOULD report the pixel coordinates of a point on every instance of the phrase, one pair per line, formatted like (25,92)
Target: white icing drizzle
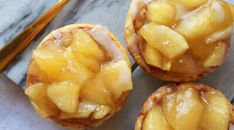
(56,34)
(100,34)
(134,8)
(219,10)
(147,1)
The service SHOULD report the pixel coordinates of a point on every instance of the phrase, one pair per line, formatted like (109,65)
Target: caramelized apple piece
(61,67)
(186,64)
(231,6)
(217,56)
(95,90)
(117,77)
(205,20)
(89,62)
(74,70)
(37,94)
(155,120)
(101,112)
(166,65)
(183,109)
(200,49)
(83,44)
(216,114)
(152,56)
(170,43)
(155,58)
(64,95)
(84,110)
(219,35)
(50,62)
(161,12)
(191,4)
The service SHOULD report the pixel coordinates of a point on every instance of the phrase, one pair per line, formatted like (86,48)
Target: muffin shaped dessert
(179,40)
(79,76)
(189,106)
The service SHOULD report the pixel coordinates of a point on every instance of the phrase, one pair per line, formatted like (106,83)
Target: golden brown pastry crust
(156,97)
(133,42)
(34,76)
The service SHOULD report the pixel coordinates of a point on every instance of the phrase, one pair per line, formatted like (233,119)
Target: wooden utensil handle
(20,42)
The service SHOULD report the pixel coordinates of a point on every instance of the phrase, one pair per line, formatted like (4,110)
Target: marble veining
(15,17)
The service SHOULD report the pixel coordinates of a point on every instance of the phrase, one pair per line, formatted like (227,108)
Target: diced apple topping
(217,56)
(231,6)
(83,44)
(37,94)
(152,56)
(64,95)
(96,91)
(219,35)
(101,112)
(61,67)
(203,21)
(155,58)
(117,77)
(186,64)
(183,109)
(87,50)
(173,29)
(155,120)
(74,70)
(161,12)
(84,110)
(44,58)
(170,43)
(188,108)
(216,115)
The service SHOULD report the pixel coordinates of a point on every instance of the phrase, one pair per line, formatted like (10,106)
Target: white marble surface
(15,110)
(17,14)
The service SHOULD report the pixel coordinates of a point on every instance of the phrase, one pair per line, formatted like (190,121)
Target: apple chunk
(183,109)
(155,120)
(117,77)
(161,12)
(208,19)
(50,62)
(217,110)
(64,95)
(74,70)
(61,66)
(155,58)
(101,112)
(217,56)
(95,91)
(170,43)
(83,44)
(40,101)
(84,110)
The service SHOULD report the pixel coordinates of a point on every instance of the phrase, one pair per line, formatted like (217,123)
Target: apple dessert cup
(179,40)
(79,76)
(187,106)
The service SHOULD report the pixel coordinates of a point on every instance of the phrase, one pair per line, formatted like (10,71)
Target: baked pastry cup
(179,40)
(79,76)
(189,106)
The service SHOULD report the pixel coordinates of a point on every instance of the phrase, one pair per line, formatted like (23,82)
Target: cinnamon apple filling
(179,36)
(78,73)
(186,107)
